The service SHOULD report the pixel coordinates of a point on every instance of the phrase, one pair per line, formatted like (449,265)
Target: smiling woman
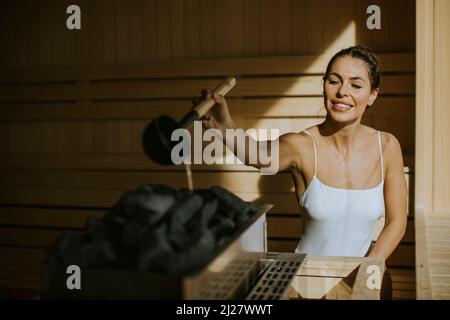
(346,174)
(369,178)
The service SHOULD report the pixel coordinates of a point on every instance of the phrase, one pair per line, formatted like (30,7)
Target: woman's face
(347,90)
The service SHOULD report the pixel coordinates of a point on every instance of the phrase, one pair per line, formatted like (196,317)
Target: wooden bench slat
(403,256)
(292,227)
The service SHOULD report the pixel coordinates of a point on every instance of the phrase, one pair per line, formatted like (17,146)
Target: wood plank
(221,27)
(243,181)
(284,227)
(149,30)
(284,203)
(331,23)
(22,237)
(24,260)
(251,29)
(267,27)
(238,182)
(404,275)
(441,116)
(278,226)
(403,295)
(423,283)
(291,227)
(281,245)
(282,27)
(132,161)
(206,14)
(135,30)
(236,28)
(300,64)
(298,25)
(269,107)
(315,26)
(47,217)
(361,291)
(104,180)
(403,256)
(163,26)
(121,34)
(181,29)
(284,86)
(20,280)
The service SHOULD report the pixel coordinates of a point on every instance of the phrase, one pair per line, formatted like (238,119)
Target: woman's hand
(218,117)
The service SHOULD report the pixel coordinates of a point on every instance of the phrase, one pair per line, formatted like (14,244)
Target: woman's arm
(282,152)
(395,193)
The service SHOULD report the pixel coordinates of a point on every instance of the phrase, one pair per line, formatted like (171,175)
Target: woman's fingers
(207,115)
(218,98)
(208,124)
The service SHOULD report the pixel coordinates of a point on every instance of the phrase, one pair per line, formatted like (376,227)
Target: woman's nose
(342,91)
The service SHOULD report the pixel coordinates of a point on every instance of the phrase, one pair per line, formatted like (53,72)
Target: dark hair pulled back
(363,53)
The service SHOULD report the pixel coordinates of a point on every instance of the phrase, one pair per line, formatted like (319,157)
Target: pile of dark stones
(156,228)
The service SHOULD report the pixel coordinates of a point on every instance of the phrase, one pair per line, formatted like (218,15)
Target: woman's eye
(356,86)
(332,81)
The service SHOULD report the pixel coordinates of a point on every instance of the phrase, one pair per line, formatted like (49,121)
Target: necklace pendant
(341,163)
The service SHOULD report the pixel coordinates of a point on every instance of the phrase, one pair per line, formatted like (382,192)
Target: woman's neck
(342,136)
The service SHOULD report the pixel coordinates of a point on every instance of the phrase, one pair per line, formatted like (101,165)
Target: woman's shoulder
(297,137)
(299,142)
(389,143)
(387,138)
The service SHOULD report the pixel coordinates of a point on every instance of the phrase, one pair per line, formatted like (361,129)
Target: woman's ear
(373,96)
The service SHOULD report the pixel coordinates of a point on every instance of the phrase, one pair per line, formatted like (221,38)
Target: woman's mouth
(341,107)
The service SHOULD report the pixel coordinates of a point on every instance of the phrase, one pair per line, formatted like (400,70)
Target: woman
(346,174)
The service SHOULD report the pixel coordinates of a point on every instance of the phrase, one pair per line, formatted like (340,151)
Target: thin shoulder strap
(315,151)
(381,156)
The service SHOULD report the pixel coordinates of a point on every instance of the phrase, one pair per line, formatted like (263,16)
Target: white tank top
(338,222)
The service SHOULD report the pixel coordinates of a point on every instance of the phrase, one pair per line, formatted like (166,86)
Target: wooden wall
(432,204)
(73,104)
(115,31)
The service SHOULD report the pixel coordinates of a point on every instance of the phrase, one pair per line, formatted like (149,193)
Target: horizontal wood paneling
(139,31)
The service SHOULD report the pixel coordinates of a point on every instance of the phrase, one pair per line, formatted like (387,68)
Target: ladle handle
(202,108)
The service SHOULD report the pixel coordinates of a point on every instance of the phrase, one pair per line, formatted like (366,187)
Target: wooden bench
(70,144)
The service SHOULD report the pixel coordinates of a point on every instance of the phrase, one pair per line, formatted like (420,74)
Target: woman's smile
(341,107)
